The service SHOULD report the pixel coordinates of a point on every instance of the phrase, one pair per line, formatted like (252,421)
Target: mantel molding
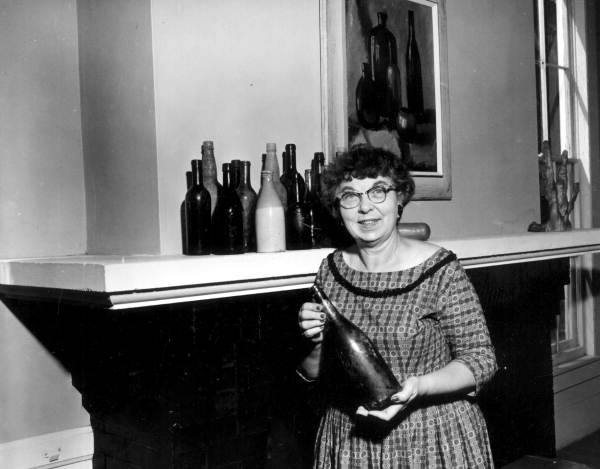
(122,282)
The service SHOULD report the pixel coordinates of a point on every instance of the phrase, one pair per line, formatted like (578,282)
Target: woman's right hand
(311,320)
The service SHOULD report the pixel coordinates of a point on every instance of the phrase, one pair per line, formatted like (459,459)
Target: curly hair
(364,161)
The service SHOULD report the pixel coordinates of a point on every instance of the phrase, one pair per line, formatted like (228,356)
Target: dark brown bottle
(228,222)
(184,235)
(197,214)
(313,215)
(358,357)
(414,80)
(290,174)
(248,199)
(297,218)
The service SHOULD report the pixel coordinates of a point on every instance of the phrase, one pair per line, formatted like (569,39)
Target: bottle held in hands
(358,357)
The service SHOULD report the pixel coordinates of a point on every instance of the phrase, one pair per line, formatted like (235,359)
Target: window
(562,121)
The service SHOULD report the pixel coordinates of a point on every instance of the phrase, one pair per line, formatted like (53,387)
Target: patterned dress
(420,319)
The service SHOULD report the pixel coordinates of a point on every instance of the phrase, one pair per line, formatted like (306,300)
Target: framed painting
(384,80)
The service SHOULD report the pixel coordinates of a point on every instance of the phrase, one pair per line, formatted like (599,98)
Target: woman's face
(369,223)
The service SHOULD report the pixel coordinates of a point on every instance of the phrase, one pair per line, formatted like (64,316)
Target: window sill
(120,282)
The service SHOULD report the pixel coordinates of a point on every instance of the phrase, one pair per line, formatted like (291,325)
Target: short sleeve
(464,325)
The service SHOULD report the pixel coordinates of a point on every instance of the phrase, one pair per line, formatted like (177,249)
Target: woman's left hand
(409,392)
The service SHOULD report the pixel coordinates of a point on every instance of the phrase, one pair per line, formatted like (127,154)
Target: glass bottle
(414,80)
(269,217)
(228,223)
(357,355)
(209,174)
(184,237)
(197,213)
(248,199)
(367,104)
(297,232)
(317,165)
(270,164)
(235,173)
(290,173)
(383,52)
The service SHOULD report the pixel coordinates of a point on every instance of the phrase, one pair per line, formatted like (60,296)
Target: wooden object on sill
(419,231)
(554,188)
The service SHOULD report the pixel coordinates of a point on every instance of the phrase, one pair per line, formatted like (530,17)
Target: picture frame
(365,102)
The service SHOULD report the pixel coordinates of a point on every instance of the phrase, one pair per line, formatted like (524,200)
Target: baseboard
(69,449)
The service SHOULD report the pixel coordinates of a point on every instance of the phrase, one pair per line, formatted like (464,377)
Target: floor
(586,451)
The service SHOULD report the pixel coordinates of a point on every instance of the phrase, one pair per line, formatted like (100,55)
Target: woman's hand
(410,391)
(311,320)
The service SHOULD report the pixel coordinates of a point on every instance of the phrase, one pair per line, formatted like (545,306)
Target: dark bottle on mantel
(197,213)
(317,165)
(290,173)
(248,198)
(209,174)
(235,170)
(313,216)
(357,356)
(184,229)
(297,217)
(228,222)
(414,80)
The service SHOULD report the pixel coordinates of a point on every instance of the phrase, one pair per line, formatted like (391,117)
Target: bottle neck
(411,25)
(189,180)
(226,174)
(234,173)
(197,172)
(308,180)
(209,166)
(271,164)
(245,174)
(328,308)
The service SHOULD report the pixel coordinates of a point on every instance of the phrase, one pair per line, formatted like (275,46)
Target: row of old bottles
(232,219)
(378,92)
(218,218)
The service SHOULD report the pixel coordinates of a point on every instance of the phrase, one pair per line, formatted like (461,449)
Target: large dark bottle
(248,199)
(367,102)
(228,221)
(358,357)
(290,174)
(384,52)
(313,214)
(184,234)
(414,80)
(197,213)
(209,174)
(297,217)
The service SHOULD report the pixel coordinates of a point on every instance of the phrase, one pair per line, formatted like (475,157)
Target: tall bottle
(297,217)
(270,164)
(184,229)
(358,356)
(383,51)
(269,217)
(313,213)
(228,221)
(197,213)
(414,80)
(209,174)
(248,199)
(290,173)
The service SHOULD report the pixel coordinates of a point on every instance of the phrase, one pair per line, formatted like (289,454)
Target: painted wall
(42,198)
(117,118)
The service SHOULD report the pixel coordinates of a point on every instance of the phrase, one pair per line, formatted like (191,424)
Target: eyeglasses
(375,194)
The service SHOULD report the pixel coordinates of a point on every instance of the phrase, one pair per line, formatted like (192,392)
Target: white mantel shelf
(122,282)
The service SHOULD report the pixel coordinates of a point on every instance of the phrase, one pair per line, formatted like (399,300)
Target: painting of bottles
(393,79)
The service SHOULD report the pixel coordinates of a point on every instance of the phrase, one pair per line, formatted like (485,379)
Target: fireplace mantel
(122,282)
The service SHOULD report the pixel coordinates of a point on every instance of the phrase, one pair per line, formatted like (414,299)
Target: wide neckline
(341,262)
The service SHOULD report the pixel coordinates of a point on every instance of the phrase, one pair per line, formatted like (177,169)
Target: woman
(416,304)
